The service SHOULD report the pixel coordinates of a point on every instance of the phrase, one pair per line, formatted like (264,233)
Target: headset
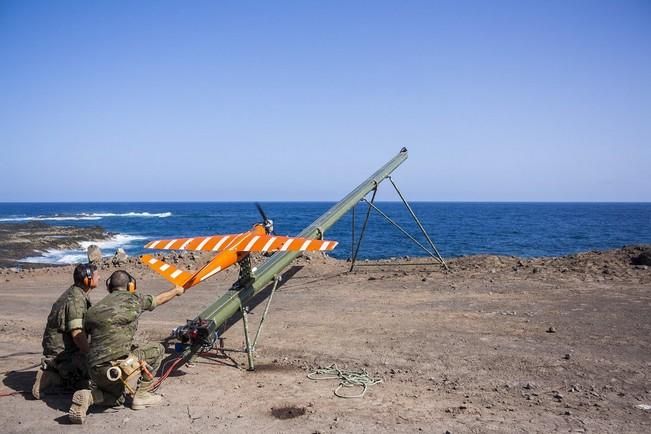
(87,272)
(131,286)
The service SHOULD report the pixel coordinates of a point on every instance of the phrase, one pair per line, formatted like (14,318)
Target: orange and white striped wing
(212,243)
(168,271)
(271,243)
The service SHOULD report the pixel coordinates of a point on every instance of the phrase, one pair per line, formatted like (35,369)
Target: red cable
(18,392)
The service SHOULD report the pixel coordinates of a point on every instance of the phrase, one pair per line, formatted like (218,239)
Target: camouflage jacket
(67,314)
(112,323)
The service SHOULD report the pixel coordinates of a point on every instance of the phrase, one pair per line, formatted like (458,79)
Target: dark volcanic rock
(19,240)
(643,258)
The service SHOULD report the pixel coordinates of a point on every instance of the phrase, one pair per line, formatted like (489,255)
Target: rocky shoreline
(20,240)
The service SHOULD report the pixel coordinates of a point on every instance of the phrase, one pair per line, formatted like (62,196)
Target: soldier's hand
(179,290)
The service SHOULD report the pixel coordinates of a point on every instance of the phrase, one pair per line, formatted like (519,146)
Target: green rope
(347,378)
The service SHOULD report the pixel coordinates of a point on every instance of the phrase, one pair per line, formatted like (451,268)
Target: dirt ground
(499,344)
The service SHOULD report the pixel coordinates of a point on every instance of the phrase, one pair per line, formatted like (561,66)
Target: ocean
(457,229)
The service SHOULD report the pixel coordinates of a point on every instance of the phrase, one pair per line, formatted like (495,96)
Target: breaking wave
(73,256)
(86,216)
(44,218)
(128,214)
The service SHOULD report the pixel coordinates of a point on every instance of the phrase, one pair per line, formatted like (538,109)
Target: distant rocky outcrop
(20,240)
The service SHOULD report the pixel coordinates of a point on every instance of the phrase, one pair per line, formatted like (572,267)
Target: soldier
(64,341)
(111,324)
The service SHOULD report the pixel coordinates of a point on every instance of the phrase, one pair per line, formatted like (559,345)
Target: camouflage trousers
(111,393)
(71,367)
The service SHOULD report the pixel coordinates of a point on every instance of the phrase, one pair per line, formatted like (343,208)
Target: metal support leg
(277,279)
(418,223)
(249,349)
(361,235)
(352,233)
(387,218)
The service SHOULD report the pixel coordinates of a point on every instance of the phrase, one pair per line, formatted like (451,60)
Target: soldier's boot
(44,380)
(81,401)
(143,398)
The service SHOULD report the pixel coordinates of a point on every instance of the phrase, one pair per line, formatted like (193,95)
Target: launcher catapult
(203,332)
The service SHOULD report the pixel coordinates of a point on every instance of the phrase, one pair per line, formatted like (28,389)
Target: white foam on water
(117,240)
(128,214)
(74,256)
(43,218)
(86,216)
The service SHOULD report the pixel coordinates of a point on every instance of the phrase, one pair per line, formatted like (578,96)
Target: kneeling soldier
(112,324)
(64,341)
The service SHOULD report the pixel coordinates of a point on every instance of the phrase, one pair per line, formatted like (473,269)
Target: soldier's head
(121,281)
(86,276)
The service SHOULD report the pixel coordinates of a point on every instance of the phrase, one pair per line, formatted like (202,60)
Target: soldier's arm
(166,296)
(74,315)
(80,339)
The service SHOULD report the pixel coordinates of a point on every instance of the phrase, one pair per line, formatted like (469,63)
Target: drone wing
(212,243)
(168,271)
(244,242)
(271,243)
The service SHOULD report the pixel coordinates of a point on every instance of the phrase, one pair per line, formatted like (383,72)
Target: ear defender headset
(131,286)
(87,272)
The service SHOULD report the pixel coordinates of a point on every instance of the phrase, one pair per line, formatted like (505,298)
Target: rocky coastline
(21,240)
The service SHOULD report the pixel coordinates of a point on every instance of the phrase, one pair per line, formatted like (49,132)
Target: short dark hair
(82,271)
(119,279)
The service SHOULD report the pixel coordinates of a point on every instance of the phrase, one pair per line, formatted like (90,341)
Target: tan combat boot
(81,400)
(44,380)
(143,399)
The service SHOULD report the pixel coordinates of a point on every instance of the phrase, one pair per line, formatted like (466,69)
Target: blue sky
(156,101)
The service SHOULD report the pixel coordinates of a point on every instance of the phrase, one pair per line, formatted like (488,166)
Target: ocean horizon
(527,229)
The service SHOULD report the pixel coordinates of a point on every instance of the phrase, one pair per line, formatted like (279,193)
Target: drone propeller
(268,223)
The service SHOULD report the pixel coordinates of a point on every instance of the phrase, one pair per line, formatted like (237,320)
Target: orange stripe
(193,245)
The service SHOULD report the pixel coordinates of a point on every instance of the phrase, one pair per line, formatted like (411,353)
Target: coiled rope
(347,378)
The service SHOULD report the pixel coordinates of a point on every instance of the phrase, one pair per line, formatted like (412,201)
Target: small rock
(551,330)
(566,357)
(94,254)
(120,257)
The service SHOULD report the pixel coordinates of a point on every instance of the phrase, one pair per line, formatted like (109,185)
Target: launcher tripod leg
(249,347)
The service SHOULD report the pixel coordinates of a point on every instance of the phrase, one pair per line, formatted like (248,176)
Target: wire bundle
(347,378)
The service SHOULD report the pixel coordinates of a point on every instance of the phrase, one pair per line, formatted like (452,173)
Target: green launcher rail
(237,297)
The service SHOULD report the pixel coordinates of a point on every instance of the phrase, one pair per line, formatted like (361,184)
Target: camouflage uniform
(60,353)
(112,324)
